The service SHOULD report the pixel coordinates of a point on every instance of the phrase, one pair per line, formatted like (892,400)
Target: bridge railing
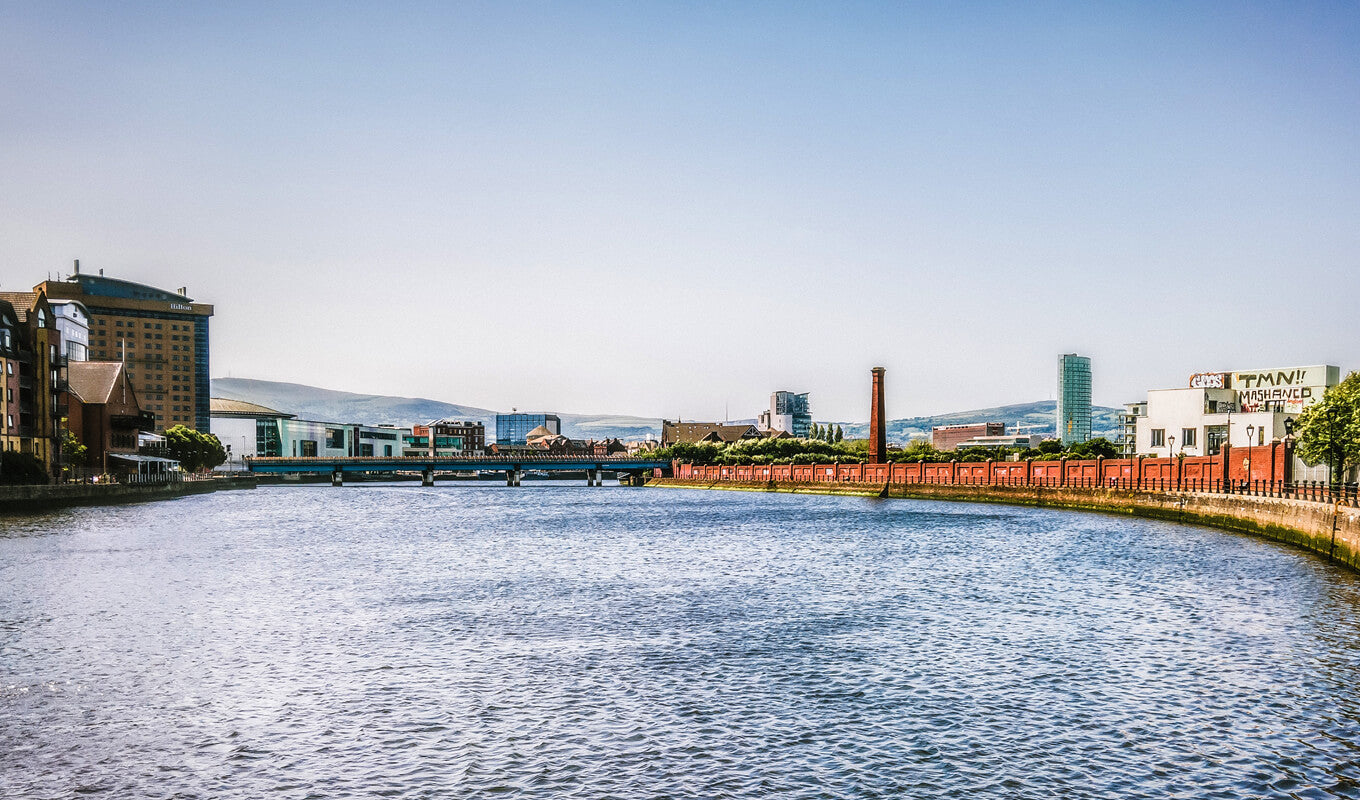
(416,461)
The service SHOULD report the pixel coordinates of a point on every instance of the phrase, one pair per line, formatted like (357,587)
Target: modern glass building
(514,428)
(789,412)
(1074,398)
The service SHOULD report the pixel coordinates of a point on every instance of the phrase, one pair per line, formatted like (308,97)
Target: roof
(22,302)
(539,432)
(93,381)
(689,432)
(224,407)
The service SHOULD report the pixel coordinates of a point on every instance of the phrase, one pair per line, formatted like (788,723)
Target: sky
(675,209)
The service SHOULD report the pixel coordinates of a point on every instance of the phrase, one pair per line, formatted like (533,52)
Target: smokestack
(77,266)
(184,291)
(878,435)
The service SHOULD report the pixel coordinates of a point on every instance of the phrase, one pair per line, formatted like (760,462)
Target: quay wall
(1327,529)
(27,499)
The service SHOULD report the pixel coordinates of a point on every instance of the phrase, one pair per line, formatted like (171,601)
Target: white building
(73,322)
(1242,408)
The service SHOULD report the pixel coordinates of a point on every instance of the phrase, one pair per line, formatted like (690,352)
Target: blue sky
(675,209)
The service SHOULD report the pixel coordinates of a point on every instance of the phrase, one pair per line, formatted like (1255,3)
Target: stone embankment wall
(1331,531)
(62,495)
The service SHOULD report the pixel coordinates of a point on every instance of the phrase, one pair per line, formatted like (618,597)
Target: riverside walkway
(514,466)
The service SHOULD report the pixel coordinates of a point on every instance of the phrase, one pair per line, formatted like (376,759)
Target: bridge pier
(427,477)
(513,476)
(593,478)
(337,478)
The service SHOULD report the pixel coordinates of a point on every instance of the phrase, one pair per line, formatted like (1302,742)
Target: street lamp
(1251,431)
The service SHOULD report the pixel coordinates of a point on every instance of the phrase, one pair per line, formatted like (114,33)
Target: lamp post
(1170,458)
(1251,431)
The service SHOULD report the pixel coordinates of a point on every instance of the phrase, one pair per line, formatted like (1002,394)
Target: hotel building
(161,336)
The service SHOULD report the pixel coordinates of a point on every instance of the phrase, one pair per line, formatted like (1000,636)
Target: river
(559,641)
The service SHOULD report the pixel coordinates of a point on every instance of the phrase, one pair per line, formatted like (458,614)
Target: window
(308,448)
(1188,437)
(1159,437)
(9,418)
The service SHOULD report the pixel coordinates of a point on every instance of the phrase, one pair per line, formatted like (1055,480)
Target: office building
(1074,399)
(162,336)
(445,438)
(513,428)
(949,437)
(789,413)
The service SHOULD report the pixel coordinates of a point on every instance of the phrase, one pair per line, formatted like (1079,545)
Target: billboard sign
(1290,390)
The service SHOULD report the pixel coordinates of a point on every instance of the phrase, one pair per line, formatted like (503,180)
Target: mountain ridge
(333,405)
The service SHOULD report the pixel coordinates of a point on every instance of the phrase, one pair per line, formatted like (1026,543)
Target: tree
(1329,431)
(840,434)
(72,450)
(21,468)
(194,450)
(816,432)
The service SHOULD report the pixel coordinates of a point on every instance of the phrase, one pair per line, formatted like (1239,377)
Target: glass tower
(1074,398)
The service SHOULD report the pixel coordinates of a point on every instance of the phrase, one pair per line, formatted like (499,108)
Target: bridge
(514,466)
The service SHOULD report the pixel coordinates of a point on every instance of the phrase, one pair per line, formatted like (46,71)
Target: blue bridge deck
(514,466)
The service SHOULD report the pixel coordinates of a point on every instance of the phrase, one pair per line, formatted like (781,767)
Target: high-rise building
(789,413)
(513,428)
(161,336)
(1074,398)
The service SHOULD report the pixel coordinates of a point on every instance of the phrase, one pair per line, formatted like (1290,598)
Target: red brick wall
(1267,463)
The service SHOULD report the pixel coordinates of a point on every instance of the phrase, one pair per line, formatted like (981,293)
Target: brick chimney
(878,435)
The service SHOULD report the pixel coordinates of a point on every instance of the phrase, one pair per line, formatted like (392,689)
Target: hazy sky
(667,209)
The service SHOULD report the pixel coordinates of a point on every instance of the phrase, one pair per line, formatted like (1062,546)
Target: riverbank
(29,499)
(1331,532)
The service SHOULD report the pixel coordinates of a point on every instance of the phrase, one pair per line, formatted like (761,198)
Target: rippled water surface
(564,641)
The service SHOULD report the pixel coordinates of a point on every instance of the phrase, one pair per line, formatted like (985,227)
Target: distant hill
(329,405)
(1039,417)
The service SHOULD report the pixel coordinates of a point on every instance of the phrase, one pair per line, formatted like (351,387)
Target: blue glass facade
(512,429)
(1074,399)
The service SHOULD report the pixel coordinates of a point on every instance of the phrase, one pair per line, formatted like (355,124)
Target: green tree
(816,432)
(1329,431)
(1051,446)
(21,468)
(72,451)
(194,450)
(840,434)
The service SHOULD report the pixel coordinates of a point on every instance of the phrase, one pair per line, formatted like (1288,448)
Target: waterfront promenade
(45,497)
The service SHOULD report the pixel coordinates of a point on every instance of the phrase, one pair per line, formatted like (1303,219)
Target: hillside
(310,402)
(1039,417)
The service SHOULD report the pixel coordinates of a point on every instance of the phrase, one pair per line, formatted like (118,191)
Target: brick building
(949,437)
(32,378)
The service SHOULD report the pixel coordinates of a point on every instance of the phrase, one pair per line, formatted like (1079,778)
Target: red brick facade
(878,432)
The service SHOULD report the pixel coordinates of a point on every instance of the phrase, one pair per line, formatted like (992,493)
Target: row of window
(1187,437)
(146,325)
